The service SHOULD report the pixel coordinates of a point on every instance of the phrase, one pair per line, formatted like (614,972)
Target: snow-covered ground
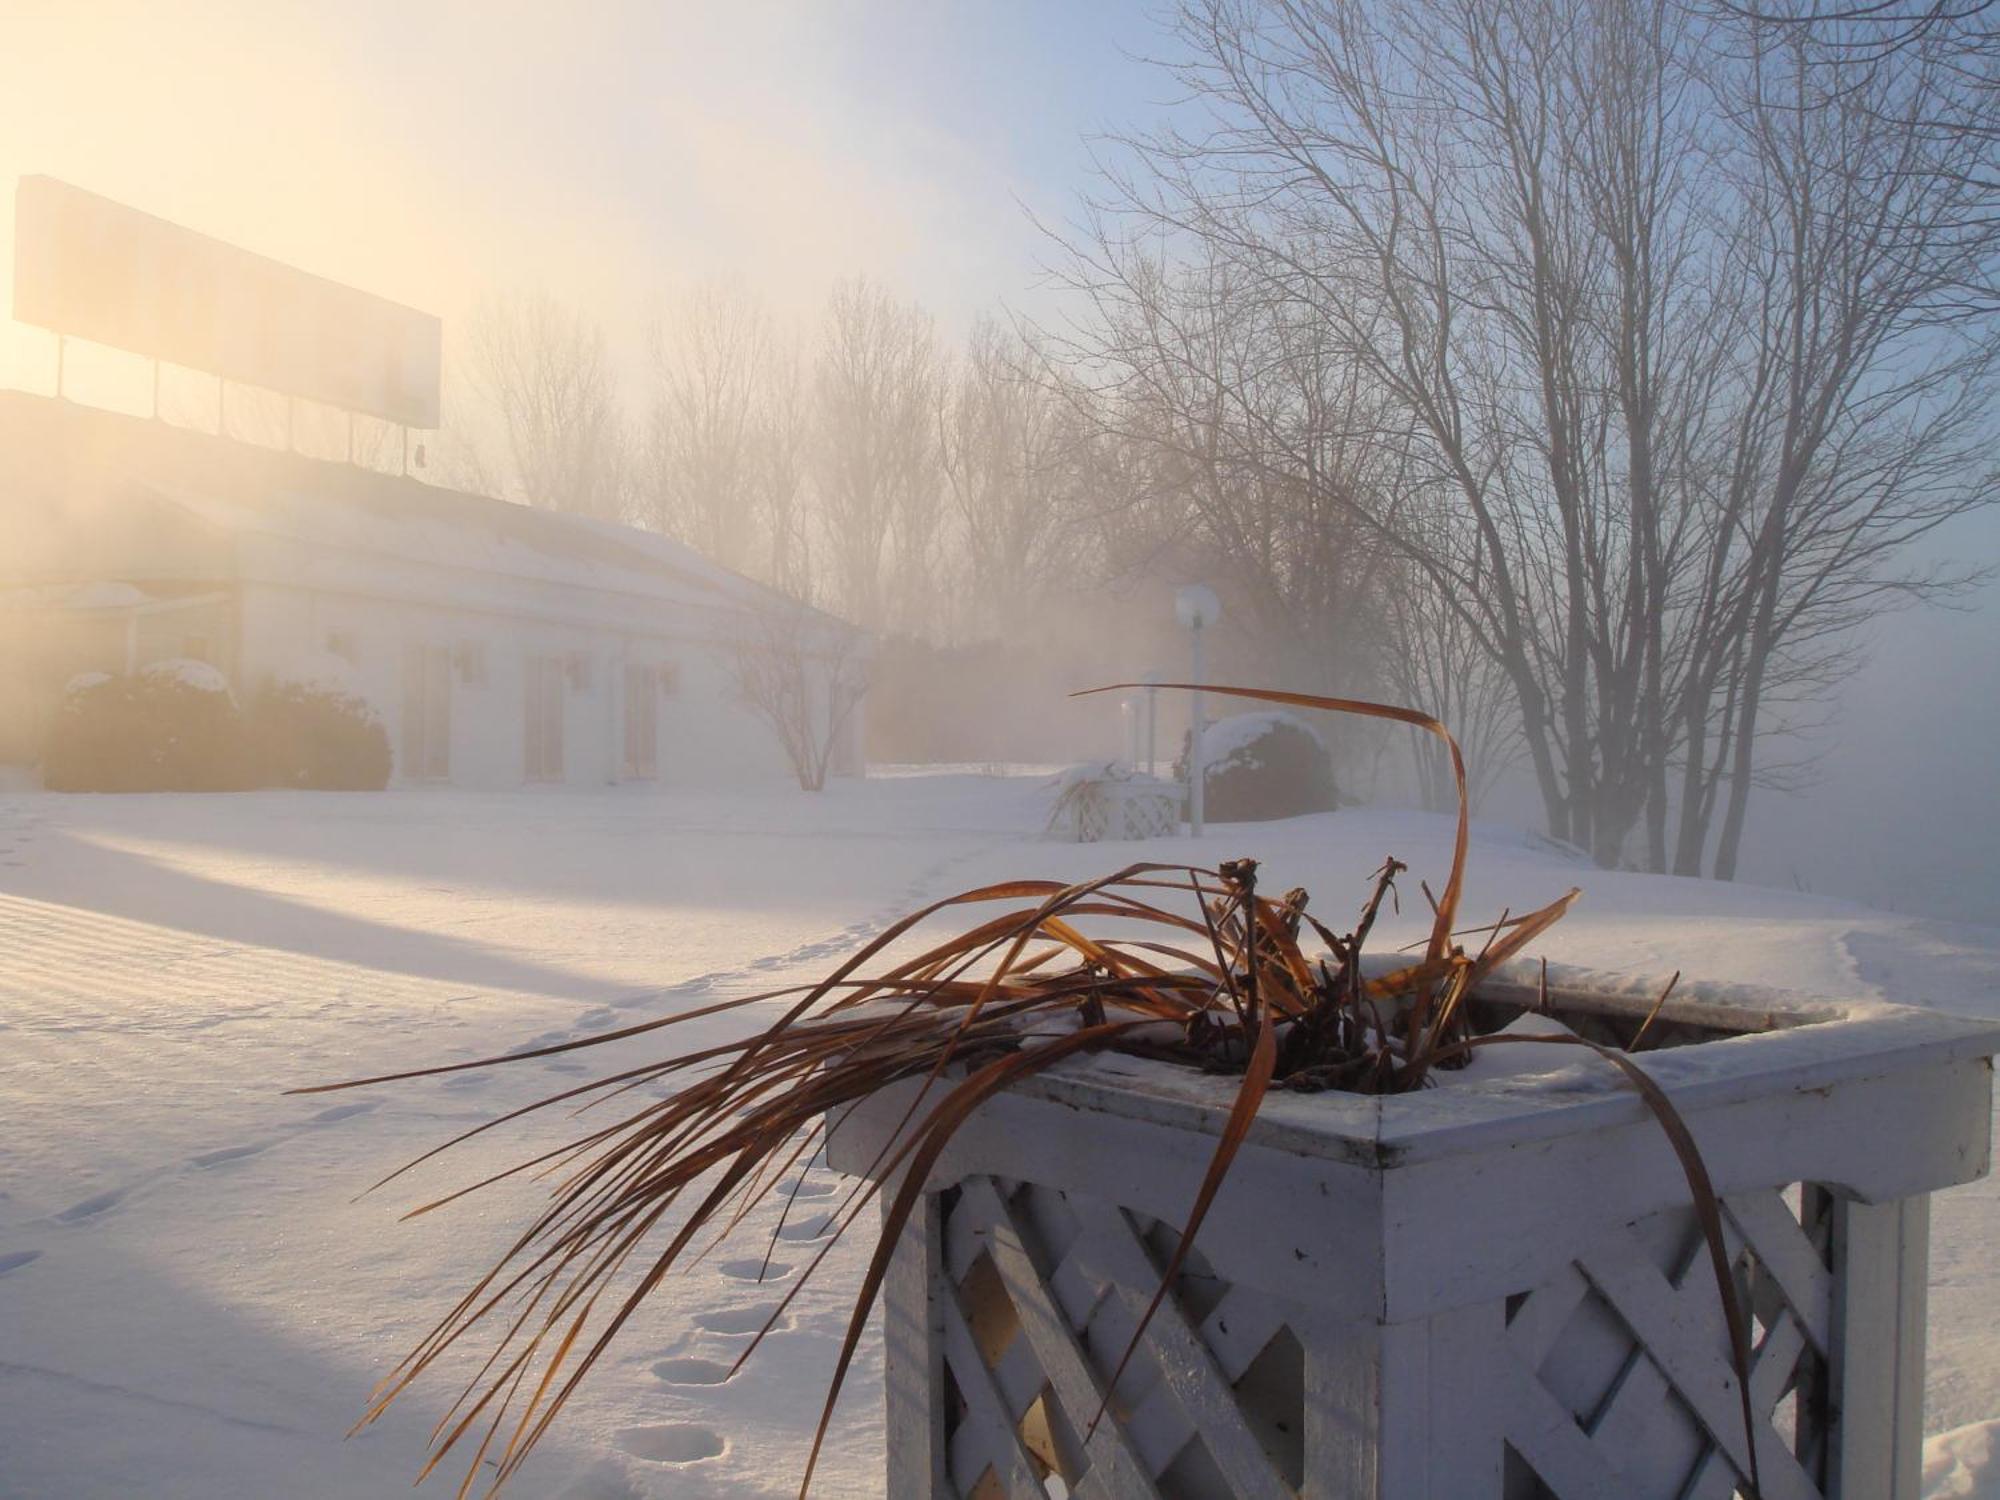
(193,1305)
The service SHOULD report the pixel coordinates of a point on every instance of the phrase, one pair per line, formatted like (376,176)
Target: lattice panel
(1045,1291)
(1620,1368)
(1612,1379)
(1122,810)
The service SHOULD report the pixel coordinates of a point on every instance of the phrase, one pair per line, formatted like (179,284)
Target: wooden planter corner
(1496,1292)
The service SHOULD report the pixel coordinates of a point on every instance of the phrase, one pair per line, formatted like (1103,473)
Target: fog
(523,525)
(656,197)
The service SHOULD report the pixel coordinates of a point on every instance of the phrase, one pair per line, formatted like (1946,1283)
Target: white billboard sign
(87,266)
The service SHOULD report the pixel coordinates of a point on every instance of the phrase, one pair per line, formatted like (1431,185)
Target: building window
(642,723)
(471,657)
(195,648)
(577,668)
(341,644)
(668,675)
(426,712)
(542,718)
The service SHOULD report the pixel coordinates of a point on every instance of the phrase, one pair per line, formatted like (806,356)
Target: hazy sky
(616,152)
(611,152)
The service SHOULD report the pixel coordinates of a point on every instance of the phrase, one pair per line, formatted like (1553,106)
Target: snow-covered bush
(185,674)
(89,742)
(1262,765)
(172,727)
(308,731)
(322,671)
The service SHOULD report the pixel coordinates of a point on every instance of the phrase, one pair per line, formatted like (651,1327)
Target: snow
(319,671)
(198,675)
(1964,1464)
(1226,736)
(1548,1069)
(1071,778)
(105,595)
(194,1298)
(83,682)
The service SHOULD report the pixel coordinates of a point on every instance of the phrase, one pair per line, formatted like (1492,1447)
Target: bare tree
(803,675)
(721,387)
(1002,450)
(1863,421)
(545,372)
(1960,38)
(1433,659)
(1257,439)
(1518,227)
(781,458)
(875,388)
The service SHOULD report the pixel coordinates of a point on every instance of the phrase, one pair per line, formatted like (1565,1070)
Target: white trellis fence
(1488,1292)
(1096,804)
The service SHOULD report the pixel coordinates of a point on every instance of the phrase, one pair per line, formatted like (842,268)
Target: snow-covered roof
(105,595)
(81,463)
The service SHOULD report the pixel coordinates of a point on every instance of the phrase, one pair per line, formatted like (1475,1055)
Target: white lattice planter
(1473,1293)
(1135,807)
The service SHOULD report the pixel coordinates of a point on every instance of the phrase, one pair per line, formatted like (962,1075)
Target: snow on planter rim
(1789,1040)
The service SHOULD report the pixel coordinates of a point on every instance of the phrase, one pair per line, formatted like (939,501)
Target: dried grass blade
(1639,1038)
(1447,904)
(937,1130)
(1707,1207)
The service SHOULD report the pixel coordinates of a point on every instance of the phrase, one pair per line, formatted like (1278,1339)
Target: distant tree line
(1580,370)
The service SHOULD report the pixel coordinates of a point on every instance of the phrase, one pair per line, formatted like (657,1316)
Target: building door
(426,712)
(642,723)
(543,718)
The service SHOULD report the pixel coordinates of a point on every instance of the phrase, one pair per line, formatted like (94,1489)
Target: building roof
(141,499)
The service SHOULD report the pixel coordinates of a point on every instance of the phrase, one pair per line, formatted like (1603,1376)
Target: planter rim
(1787,1042)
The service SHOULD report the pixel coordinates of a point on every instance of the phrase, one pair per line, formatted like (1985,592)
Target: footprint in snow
(604,1482)
(14,1260)
(691,1371)
(805,1188)
(209,1159)
(739,1320)
(91,1207)
(753,1268)
(344,1112)
(812,1227)
(673,1442)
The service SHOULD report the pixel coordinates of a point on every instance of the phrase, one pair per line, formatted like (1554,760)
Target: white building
(502,645)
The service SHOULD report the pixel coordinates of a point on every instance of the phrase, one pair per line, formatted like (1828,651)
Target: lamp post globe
(1196,607)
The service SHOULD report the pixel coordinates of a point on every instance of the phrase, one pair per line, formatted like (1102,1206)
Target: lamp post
(1197,608)
(1152,723)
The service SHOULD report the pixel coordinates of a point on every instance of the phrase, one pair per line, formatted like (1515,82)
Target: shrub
(173,727)
(90,742)
(1260,766)
(315,735)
